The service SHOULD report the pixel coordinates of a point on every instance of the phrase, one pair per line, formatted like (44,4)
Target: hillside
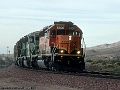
(104,49)
(103,58)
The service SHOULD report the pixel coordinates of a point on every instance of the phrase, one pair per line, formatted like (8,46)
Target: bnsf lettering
(60,27)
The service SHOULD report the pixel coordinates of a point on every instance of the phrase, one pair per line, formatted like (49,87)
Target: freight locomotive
(57,47)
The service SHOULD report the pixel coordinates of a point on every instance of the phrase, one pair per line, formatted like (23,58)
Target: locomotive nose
(68,43)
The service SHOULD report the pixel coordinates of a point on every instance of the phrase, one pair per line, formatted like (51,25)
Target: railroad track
(84,73)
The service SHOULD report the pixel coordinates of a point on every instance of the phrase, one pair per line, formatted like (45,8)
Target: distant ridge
(106,50)
(103,46)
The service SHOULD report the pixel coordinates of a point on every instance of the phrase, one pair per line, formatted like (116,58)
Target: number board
(71,28)
(60,27)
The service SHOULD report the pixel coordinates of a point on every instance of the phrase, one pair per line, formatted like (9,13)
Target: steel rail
(84,73)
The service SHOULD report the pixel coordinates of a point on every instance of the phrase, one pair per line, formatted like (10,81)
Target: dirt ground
(8,82)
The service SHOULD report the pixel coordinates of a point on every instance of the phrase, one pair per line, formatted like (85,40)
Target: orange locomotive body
(61,47)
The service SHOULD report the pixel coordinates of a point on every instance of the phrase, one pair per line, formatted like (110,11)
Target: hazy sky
(99,19)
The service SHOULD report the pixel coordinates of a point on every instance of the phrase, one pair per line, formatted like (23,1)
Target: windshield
(60,32)
(69,32)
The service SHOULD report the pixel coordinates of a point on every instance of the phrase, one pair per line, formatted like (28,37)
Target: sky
(98,19)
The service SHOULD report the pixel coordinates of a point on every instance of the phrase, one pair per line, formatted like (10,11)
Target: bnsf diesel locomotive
(55,47)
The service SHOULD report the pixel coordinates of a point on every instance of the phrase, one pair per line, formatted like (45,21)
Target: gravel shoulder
(14,78)
(9,81)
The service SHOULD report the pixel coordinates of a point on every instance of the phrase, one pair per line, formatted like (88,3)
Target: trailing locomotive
(56,47)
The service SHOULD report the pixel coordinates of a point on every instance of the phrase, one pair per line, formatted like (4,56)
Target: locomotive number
(71,28)
(60,27)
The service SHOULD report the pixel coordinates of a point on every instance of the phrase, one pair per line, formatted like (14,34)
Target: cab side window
(52,33)
(31,38)
(77,33)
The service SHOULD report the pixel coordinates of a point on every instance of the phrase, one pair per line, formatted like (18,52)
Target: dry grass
(111,65)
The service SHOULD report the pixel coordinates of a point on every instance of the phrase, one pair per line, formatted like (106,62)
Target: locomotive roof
(63,22)
(34,33)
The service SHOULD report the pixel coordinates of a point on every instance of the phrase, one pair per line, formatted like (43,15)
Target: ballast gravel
(32,80)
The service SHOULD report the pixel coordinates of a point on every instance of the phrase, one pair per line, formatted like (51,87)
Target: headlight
(70,37)
(61,51)
(78,52)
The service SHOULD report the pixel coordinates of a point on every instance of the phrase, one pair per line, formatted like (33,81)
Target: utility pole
(7,51)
